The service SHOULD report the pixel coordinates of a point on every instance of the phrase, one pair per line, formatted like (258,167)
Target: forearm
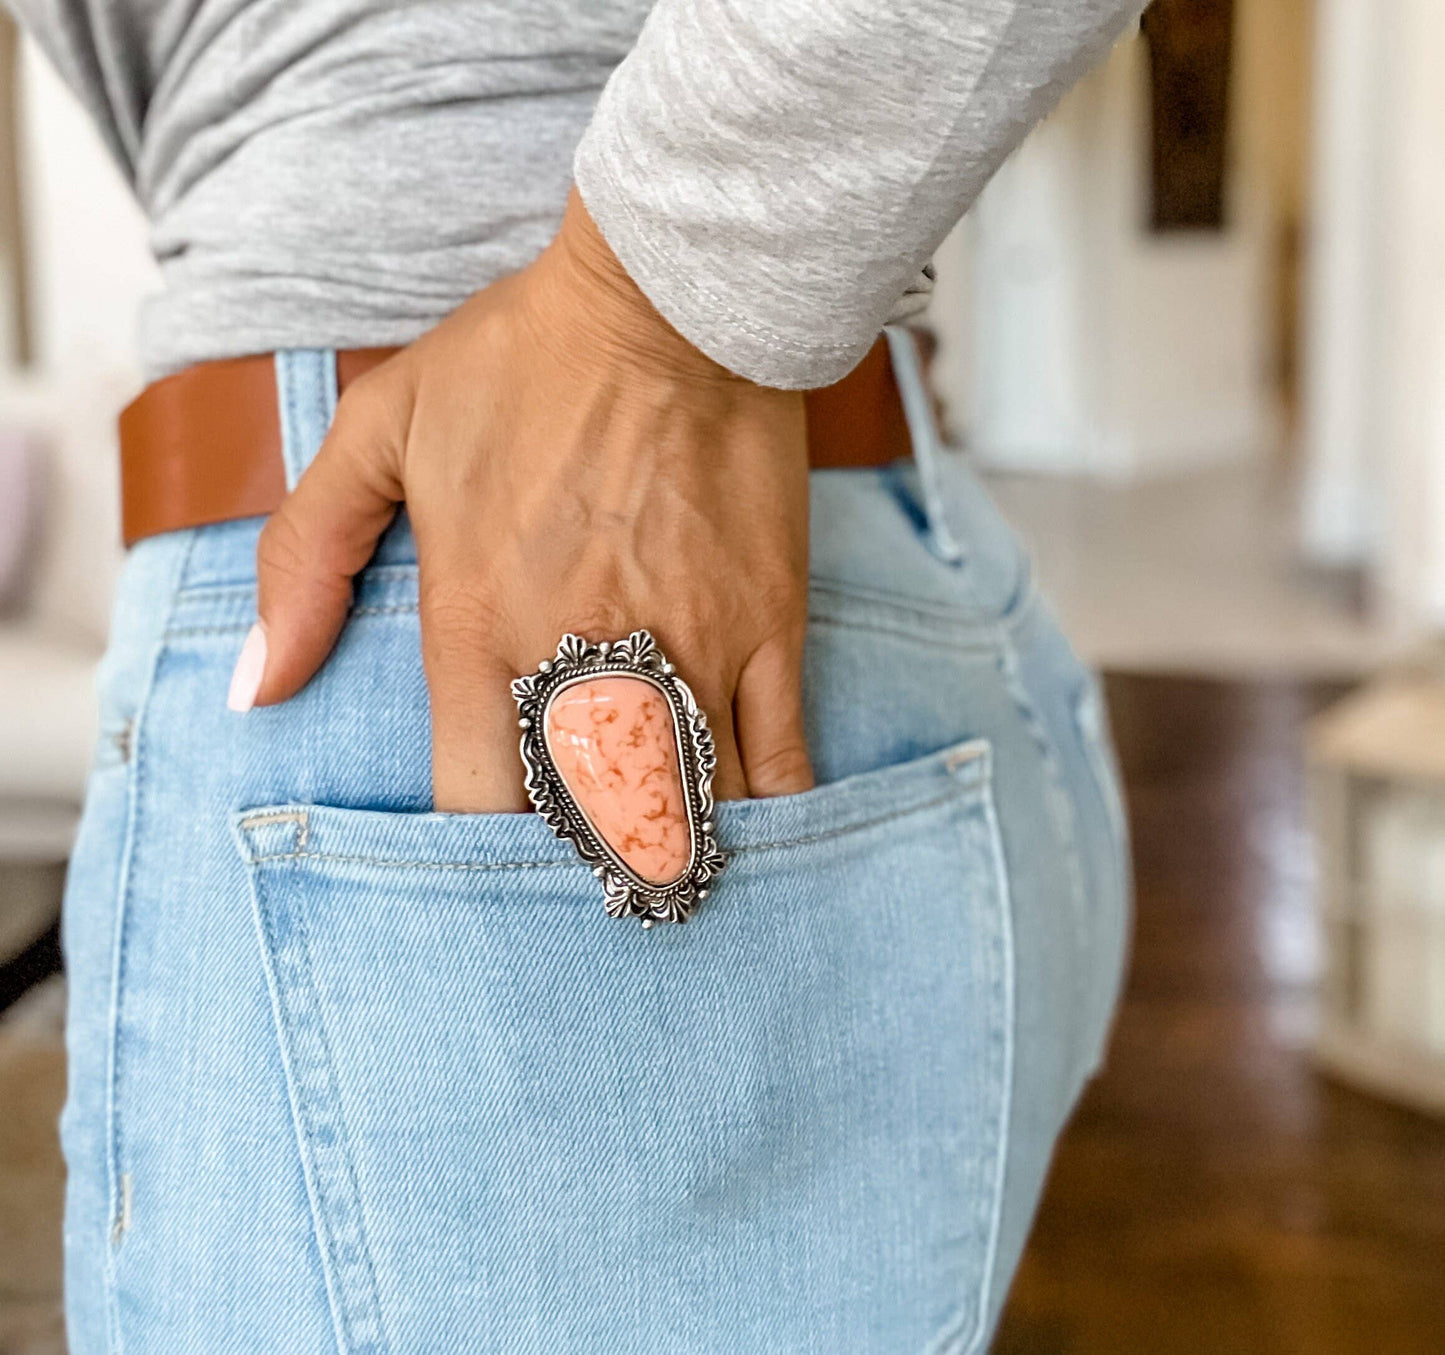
(774,173)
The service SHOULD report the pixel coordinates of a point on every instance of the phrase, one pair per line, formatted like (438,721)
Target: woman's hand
(569,463)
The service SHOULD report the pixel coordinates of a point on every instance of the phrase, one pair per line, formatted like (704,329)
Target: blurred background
(1194,336)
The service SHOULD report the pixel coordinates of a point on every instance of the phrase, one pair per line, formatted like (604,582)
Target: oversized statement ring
(619,763)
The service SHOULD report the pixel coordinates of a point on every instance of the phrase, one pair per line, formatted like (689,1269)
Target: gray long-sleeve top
(773,173)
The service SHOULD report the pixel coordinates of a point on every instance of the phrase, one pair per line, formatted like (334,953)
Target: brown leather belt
(204,445)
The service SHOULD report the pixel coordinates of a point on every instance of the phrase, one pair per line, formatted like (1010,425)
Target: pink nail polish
(246,679)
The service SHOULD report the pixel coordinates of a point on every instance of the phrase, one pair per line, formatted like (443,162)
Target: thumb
(320,537)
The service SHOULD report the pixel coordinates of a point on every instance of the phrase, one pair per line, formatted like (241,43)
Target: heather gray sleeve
(775,173)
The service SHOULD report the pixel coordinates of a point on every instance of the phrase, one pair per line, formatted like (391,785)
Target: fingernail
(246,679)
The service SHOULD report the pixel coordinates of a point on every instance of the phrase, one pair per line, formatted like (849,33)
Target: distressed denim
(350,1076)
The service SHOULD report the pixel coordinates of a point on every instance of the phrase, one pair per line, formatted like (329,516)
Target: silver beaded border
(625,894)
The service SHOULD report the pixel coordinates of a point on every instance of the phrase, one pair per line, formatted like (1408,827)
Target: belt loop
(306,398)
(926,438)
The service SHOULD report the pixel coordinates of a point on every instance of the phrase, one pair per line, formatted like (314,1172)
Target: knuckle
(691,641)
(452,654)
(365,397)
(780,599)
(350,426)
(785,765)
(370,418)
(600,619)
(283,548)
(292,563)
(460,609)
(465,632)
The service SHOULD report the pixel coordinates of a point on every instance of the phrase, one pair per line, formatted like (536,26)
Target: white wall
(1342,331)
(1098,347)
(1411,572)
(88,265)
(1374,394)
(89,258)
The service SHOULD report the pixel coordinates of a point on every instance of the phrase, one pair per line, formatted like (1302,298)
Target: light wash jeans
(350,1076)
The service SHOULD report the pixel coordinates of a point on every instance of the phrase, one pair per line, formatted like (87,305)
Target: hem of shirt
(736,341)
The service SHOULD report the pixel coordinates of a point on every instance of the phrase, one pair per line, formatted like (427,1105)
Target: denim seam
(1010,616)
(288,418)
(137,767)
(926,440)
(307,376)
(237,627)
(965,643)
(243,588)
(1005,1115)
(330,388)
(1090,722)
(1060,806)
(950,1339)
(395,863)
(893,598)
(300,853)
(299,817)
(972,642)
(936,622)
(844,830)
(331,1185)
(190,632)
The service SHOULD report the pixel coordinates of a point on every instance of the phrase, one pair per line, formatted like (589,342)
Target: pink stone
(615,745)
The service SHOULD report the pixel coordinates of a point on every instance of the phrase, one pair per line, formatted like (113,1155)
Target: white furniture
(1377,769)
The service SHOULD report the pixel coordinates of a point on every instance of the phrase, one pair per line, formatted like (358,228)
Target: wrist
(587,291)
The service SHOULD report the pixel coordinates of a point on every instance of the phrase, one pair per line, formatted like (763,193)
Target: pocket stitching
(967,1329)
(843,830)
(971,785)
(967,774)
(393,863)
(350,1272)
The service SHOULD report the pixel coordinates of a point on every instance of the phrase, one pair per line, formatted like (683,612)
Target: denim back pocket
(528,1127)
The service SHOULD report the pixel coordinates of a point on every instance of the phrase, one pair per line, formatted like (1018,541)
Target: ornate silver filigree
(625,893)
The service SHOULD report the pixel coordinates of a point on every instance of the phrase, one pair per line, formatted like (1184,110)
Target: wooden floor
(1214,1194)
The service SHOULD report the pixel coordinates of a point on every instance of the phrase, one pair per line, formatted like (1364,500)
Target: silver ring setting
(619,762)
